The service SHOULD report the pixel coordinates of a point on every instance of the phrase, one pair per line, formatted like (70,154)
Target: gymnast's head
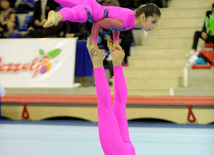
(147,16)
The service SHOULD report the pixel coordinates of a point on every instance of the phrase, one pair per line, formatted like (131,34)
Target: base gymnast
(112,121)
(108,17)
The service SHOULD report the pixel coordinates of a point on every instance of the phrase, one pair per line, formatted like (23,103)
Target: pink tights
(75,10)
(112,121)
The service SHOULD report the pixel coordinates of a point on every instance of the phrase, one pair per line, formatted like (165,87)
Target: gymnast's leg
(119,105)
(120,95)
(74,11)
(109,132)
(75,14)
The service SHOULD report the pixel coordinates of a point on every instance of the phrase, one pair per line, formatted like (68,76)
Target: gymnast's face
(148,23)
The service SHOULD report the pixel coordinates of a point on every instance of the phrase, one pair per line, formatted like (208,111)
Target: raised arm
(106,23)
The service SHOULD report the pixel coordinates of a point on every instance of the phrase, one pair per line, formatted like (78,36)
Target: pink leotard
(112,121)
(90,10)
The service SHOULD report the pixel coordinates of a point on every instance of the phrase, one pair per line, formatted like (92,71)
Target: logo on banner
(40,64)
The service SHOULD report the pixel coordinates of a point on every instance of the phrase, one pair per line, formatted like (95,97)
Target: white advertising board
(46,62)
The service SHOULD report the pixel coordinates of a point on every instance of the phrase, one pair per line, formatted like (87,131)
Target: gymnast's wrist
(117,62)
(118,66)
(116,42)
(116,38)
(97,64)
(94,43)
(94,40)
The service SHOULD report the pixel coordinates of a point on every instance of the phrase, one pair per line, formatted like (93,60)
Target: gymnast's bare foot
(53,17)
(97,56)
(117,53)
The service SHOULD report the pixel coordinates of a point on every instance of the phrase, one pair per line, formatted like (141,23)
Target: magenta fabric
(75,11)
(112,121)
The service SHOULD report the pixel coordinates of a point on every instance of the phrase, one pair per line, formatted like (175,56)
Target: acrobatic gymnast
(108,17)
(112,121)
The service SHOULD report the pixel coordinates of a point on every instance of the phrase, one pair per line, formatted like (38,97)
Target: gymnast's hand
(116,45)
(94,47)
(117,53)
(97,56)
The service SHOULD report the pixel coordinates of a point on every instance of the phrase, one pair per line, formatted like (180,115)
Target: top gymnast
(108,17)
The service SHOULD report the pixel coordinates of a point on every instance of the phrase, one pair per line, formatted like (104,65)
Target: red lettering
(36,70)
(16,67)
(10,67)
(35,61)
(26,66)
(34,67)
(2,67)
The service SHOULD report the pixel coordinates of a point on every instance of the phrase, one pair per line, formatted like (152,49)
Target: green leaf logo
(53,53)
(41,52)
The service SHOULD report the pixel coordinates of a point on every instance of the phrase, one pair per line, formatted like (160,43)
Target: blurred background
(48,76)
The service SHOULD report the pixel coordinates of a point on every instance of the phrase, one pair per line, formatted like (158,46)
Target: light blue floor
(74,139)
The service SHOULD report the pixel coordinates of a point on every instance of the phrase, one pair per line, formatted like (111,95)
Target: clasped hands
(93,48)
(115,50)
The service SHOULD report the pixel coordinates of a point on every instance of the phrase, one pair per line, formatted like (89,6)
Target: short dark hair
(149,9)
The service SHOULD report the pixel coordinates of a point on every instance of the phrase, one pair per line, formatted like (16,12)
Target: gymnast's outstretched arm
(106,23)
